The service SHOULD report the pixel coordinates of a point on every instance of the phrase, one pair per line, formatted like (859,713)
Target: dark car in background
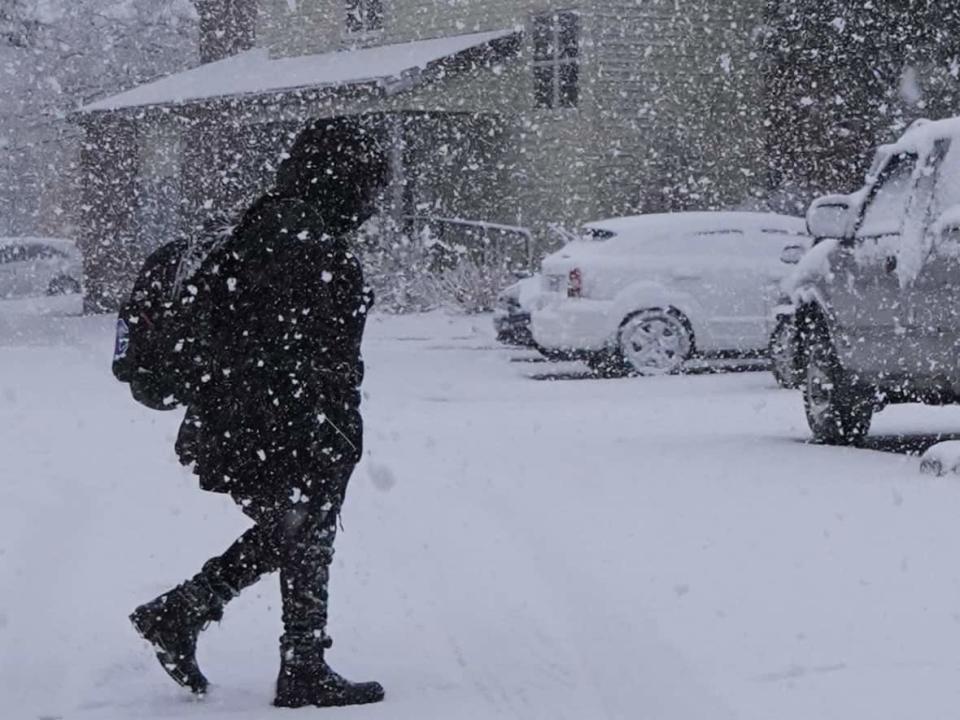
(511,318)
(783,348)
(36,267)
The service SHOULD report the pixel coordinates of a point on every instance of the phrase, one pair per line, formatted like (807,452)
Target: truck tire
(839,410)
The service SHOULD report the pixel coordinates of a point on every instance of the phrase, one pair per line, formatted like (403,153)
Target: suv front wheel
(783,354)
(839,410)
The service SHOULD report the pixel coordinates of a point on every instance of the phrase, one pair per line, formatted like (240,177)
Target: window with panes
(556,59)
(364,16)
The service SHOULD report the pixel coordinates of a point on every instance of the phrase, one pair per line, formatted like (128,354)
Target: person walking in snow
(280,311)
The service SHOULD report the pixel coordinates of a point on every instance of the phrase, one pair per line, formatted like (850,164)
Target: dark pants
(295,537)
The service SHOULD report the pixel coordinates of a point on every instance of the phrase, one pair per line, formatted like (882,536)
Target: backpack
(156,331)
(156,350)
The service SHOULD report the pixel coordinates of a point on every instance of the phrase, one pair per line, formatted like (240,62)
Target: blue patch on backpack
(123,340)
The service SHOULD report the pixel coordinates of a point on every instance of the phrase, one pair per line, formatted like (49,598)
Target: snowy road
(667,549)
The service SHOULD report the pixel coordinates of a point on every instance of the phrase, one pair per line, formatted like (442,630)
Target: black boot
(306,679)
(172,622)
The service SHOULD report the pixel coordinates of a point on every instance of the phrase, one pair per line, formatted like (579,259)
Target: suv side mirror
(791,254)
(829,216)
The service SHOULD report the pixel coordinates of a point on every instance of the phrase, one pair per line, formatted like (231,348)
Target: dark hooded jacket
(281,308)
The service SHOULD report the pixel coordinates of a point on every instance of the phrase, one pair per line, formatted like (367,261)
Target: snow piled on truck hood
(813,268)
(920,137)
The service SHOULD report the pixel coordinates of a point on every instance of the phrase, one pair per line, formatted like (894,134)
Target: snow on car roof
(254,71)
(692,222)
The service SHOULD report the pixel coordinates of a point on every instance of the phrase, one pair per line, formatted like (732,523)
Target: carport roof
(255,73)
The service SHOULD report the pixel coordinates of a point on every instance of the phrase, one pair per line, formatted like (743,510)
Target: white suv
(640,295)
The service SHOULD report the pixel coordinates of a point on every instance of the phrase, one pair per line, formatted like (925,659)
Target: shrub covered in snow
(415,272)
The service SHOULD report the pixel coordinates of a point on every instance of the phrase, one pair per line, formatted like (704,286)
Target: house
(530,113)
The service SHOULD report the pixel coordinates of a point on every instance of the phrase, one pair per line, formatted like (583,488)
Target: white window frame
(556,61)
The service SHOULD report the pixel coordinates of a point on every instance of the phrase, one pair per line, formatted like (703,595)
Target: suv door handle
(890,264)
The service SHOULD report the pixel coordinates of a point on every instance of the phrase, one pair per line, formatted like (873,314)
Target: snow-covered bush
(416,272)
(396,267)
(470,286)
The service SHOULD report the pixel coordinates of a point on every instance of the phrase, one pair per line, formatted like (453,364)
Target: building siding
(318,26)
(541,148)
(534,185)
(664,120)
(312,26)
(669,115)
(678,95)
(406,20)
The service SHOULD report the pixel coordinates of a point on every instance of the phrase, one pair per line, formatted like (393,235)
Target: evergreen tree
(846,75)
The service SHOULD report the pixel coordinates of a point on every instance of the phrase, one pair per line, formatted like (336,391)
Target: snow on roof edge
(706,218)
(255,72)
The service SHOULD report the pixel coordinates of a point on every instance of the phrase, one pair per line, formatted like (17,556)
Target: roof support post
(398,172)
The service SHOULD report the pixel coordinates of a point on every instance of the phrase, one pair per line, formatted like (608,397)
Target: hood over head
(339,165)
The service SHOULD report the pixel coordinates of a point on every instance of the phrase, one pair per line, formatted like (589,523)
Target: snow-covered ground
(664,548)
